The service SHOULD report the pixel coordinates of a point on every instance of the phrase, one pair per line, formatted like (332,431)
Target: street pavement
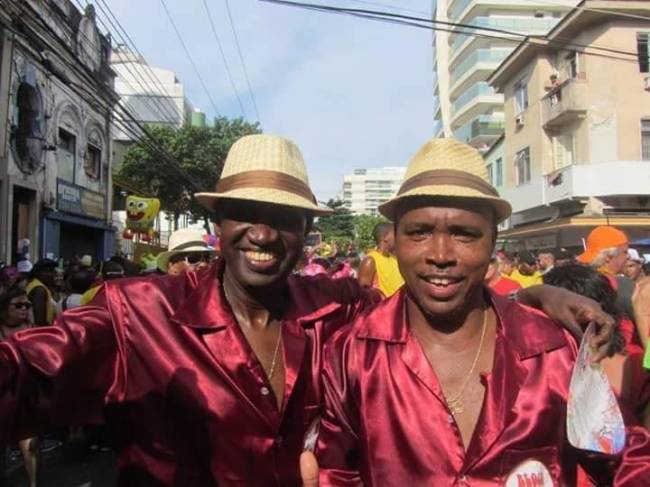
(68,467)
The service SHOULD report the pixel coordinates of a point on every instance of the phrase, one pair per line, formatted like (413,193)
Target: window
(92,162)
(498,169)
(643,52)
(573,60)
(522,166)
(645,140)
(490,175)
(521,96)
(562,151)
(27,137)
(65,155)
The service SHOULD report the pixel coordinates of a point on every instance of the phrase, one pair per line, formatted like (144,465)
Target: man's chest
(518,416)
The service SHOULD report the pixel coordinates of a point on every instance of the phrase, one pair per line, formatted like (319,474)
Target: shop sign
(80,201)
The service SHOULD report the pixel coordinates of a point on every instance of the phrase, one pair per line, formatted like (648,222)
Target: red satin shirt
(386,422)
(167,364)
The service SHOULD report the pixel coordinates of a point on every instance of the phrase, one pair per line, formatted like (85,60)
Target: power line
(399,9)
(424,23)
(117,26)
(241,58)
(99,104)
(223,57)
(592,9)
(189,57)
(122,100)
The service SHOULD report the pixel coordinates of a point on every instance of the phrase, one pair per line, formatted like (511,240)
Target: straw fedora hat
(181,242)
(267,169)
(448,168)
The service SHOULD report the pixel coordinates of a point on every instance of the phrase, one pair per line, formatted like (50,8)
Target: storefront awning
(577,221)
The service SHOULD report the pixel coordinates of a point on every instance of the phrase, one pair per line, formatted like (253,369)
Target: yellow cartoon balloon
(141,213)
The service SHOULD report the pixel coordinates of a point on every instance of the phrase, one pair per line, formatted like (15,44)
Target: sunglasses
(21,305)
(192,258)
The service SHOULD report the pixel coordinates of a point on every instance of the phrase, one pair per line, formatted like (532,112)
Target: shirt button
(450,419)
(462,479)
(278,441)
(265,391)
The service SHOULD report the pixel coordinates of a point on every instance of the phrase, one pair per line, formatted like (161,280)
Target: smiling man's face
(443,253)
(260,243)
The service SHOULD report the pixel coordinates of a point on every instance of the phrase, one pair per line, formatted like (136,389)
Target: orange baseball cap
(601,238)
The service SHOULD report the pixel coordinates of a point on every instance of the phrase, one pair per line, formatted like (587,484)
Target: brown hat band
(268,180)
(451,177)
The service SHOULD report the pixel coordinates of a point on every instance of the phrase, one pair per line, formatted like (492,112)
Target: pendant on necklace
(455,406)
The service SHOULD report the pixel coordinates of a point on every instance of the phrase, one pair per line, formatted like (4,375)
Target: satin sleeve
(357,298)
(57,375)
(337,450)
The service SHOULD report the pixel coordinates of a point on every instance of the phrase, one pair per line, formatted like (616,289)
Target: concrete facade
(366,189)
(582,129)
(56,103)
(466,107)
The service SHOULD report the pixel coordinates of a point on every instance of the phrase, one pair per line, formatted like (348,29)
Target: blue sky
(352,93)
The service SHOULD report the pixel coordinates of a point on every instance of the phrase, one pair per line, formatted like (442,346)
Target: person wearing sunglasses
(187,251)
(16,315)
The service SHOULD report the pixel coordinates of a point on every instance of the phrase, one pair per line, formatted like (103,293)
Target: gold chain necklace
(455,404)
(271,370)
(275,355)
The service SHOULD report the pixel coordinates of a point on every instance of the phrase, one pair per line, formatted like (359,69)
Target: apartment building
(576,149)
(466,106)
(366,189)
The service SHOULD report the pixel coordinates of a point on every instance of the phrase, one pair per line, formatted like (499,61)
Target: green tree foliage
(338,227)
(363,227)
(200,152)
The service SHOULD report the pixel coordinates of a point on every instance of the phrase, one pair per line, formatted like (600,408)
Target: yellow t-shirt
(50,305)
(88,296)
(527,281)
(387,276)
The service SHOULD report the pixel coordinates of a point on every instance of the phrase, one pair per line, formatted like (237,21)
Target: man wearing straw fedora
(447,383)
(208,377)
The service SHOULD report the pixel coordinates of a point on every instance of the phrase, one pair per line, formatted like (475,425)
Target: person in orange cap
(607,252)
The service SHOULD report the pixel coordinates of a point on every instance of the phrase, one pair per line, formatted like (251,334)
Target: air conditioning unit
(519,120)
(646,83)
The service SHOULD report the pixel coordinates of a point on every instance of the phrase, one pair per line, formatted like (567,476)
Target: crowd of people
(265,362)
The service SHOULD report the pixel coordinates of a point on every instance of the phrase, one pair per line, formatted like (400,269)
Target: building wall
(48,192)
(465,62)
(366,189)
(602,106)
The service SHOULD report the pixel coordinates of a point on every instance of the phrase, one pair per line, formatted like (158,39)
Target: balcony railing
(522,25)
(491,56)
(482,128)
(479,89)
(564,103)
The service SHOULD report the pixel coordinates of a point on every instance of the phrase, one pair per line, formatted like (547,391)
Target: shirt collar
(529,332)
(206,307)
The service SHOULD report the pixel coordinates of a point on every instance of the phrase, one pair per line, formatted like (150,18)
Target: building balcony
(476,67)
(564,103)
(616,178)
(581,181)
(457,10)
(522,25)
(476,101)
(481,131)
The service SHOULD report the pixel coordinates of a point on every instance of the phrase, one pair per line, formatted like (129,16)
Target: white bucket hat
(267,169)
(181,242)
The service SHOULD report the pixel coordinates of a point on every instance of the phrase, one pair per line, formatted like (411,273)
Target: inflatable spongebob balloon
(140,216)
